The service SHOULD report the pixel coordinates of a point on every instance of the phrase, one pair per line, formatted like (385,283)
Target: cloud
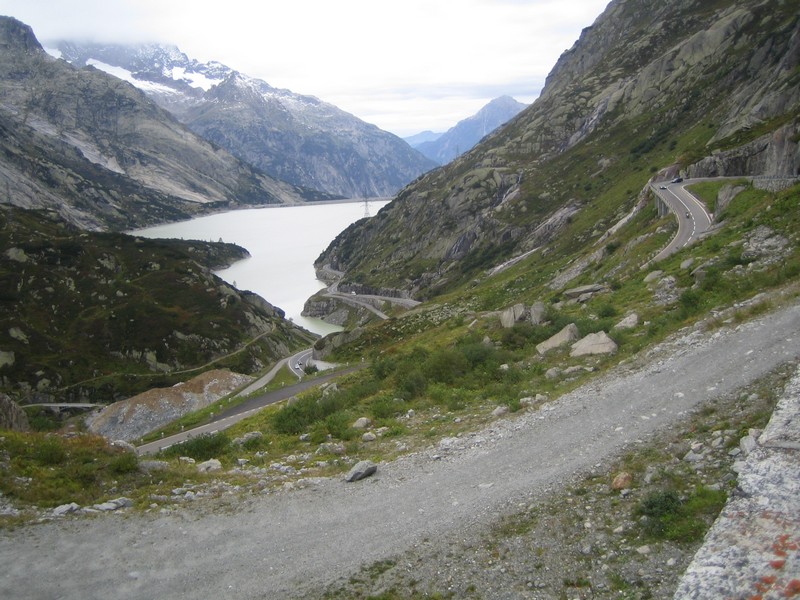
(405,65)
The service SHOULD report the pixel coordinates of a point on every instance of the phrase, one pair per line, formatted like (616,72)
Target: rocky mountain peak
(298,139)
(16,37)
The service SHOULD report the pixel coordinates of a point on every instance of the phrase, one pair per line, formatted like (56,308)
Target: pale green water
(284,243)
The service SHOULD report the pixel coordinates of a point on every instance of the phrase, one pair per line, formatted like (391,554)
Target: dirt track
(280,544)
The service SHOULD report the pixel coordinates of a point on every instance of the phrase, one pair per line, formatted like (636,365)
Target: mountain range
(466,133)
(650,90)
(291,137)
(100,153)
(563,413)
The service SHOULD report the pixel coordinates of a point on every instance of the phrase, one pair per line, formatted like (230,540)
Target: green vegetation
(202,447)
(669,517)
(48,470)
(101,316)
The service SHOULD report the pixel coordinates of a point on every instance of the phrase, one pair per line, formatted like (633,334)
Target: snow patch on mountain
(194,79)
(125,75)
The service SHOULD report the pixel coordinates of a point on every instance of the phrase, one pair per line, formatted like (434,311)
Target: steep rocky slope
(99,152)
(295,138)
(650,89)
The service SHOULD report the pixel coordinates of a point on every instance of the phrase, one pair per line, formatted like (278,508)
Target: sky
(404,65)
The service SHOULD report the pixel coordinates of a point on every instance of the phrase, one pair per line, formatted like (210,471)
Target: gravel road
(280,544)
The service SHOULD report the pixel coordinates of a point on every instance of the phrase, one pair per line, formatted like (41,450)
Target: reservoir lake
(283,242)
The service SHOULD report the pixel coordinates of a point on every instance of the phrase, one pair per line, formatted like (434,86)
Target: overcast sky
(404,65)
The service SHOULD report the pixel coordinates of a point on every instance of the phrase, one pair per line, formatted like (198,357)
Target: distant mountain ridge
(423,136)
(102,154)
(466,133)
(295,138)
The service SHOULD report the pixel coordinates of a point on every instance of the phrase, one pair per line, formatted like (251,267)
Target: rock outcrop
(132,418)
(12,417)
(752,548)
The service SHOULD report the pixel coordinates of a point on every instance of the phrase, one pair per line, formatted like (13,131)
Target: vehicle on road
(677,180)
(688,215)
(663,187)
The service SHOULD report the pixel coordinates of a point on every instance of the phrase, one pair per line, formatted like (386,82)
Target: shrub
(123,463)
(203,447)
(338,425)
(412,384)
(50,452)
(385,407)
(606,311)
(670,518)
(446,366)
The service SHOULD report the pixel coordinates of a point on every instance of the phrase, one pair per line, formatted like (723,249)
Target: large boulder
(361,470)
(511,315)
(594,343)
(538,313)
(629,322)
(565,336)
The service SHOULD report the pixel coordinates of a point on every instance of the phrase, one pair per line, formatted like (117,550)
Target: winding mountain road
(284,544)
(693,218)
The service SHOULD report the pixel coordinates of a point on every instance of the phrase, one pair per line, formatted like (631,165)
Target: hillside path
(282,544)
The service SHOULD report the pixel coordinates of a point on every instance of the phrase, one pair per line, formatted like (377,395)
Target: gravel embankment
(285,544)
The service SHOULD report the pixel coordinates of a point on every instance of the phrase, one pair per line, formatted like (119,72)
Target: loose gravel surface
(298,543)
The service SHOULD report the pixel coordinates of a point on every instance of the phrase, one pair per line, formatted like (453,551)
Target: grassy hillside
(99,317)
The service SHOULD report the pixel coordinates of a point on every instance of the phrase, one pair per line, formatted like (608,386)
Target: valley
(556,356)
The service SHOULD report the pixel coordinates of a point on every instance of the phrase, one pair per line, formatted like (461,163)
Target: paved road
(693,218)
(237,413)
(299,361)
(277,545)
(367,301)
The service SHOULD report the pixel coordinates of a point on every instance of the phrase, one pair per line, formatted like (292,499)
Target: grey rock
(590,289)
(369,437)
(594,343)
(127,446)
(510,316)
(537,313)
(331,448)
(209,466)
(113,505)
(500,411)
(252,435)
(149,466)
(652,276)
(361,423)
(629,322)
(747,444)
(12,417)
(553,373)
(361,470)
(565,336)
(65,509)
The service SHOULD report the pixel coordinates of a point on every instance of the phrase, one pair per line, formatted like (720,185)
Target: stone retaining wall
(753,549)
